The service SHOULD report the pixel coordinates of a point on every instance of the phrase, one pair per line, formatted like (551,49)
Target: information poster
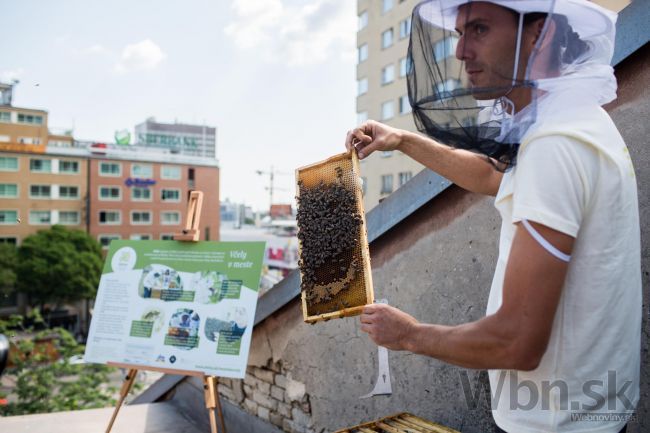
(177,305)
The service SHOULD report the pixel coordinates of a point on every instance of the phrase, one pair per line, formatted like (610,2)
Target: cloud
(96,49)
(8,75)
(144,55)
(297,35)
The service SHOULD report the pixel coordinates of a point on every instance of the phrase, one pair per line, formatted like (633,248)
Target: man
(564,314)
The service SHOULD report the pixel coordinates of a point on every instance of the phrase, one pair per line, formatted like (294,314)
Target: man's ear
(537,29)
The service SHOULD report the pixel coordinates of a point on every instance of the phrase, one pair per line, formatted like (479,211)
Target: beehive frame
(400,423)
(348,302)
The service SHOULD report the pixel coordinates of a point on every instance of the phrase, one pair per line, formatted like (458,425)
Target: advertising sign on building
(177,305)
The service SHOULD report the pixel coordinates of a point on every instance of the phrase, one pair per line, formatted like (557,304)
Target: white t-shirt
(574,175)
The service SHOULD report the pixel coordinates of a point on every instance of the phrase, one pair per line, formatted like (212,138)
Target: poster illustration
(177,305)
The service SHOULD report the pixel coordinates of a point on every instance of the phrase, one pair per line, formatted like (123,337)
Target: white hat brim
(585,18)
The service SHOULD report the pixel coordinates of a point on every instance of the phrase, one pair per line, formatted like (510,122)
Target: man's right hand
(372,136)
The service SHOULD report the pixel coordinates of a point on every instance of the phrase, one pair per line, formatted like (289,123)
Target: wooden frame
(399,423)
(363,240)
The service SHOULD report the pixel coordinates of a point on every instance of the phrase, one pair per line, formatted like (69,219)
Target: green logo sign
(123,137)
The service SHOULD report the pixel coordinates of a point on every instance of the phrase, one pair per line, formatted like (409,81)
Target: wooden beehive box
(400,423)
(330,199)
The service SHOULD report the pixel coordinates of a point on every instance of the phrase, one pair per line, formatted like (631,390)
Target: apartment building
(384,28)
(147,199)
(37,191)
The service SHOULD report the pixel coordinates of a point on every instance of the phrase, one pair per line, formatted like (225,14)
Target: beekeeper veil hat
(461,80)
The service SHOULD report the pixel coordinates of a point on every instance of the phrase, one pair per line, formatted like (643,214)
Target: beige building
(37,191)
(382,45)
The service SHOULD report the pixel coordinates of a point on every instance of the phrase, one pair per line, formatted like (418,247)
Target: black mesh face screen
(459,81)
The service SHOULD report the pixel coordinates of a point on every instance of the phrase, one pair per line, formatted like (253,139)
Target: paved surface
(141,418)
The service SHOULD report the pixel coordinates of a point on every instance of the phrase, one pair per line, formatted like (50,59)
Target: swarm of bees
(329,230)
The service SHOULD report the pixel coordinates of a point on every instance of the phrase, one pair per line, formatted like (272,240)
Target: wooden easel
(190,233)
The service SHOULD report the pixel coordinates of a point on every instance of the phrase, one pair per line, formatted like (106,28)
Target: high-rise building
(384,28)
(177,138)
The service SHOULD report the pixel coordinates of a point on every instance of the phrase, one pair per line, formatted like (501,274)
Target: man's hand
(388,326)
(372,136)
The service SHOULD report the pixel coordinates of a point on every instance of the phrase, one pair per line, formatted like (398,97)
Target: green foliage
(59,265)
(46,381)
(8,262)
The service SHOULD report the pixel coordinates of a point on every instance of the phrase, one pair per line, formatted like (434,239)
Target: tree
(8,262)
(45,378)
(59,265)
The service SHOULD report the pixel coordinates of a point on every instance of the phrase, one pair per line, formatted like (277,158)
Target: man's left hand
(387,326)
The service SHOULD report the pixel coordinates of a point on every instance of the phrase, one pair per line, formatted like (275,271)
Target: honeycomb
(334,258)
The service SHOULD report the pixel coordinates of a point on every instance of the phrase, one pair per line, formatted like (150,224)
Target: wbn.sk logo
(593,395)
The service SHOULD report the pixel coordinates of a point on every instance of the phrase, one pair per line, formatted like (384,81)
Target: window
(170,218)
(40,191)
(137,237)
(445,48)
(140,217)
(5,116)
(387,38)
(387,110)
(362,53)
(68,192)
(110,217)
(68,167)
(362,86)
(404,104)
(8,163)
(386,153)
(364,185)
(29,140)
(386,5)
(105,240)
(387,74)
(8,190)
(405,66)
(362,116)
(446,88)
(68,217)
(112,169)
(170,172)
(363,20)
(386,183)
(110,193)
(190,177)
(166,237)
(405,28)
(30,118)
(172,195)
(140,194)
(404,177)
(8,240)
(40,165)
(8,217)
(142,170)
(5,139)
(39,217)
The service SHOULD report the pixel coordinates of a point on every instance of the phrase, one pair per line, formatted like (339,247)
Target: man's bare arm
(466,169)
(515,337)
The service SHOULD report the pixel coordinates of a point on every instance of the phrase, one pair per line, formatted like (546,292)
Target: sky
(276,77)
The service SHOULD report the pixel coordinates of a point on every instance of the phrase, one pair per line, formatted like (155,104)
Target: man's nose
(462,49)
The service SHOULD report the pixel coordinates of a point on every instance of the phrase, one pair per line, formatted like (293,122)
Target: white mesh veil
(470,68)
